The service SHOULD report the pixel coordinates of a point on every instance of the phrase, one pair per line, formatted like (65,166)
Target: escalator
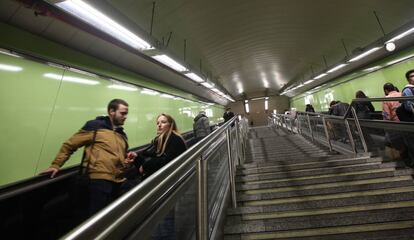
(45,208)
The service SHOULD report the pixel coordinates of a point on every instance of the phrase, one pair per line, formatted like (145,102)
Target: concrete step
(340,195)
(401,194)
(327,217)
(325,185)
(386,230)
(359,175)
(283,166)
(310,172)
(296,161)
(326,189)
(305,214)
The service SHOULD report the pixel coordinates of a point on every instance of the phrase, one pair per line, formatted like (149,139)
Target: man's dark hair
(114,104)
(333,102)
(389,87)
(407,74)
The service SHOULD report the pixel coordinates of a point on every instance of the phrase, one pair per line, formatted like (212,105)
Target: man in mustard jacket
(105,157)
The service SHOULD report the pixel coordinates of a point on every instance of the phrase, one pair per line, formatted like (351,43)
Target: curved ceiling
(249,46)
(253,48)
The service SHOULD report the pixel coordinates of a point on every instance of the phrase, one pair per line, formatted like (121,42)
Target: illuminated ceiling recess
(389,46)
(100,21)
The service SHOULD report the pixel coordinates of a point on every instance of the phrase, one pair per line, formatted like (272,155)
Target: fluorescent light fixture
(71,79)
(309,81)
(364,54)
(149,92)
(372,69)
(246,101)
(207,85)
(266,104)
(215,90)
(123,87)
(400,59)
(258,98)
(246,105)
(320,76)
(6,52)
(10,68)
(166,96)
(398,37)
(102,22)
(337,67)
(164,59)
(194,77)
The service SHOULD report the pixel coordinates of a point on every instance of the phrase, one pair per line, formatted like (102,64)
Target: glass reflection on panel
(149,92)
(10,68)
(166,95)
(123,87)
(71,79)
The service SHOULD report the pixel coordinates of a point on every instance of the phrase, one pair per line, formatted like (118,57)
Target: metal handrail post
(238,142)
(202,199)
(327,133)
(361,135)
(310,127)
(351,139)
(231,171)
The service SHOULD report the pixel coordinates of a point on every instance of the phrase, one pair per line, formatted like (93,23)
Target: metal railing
(347,133)
(136,214)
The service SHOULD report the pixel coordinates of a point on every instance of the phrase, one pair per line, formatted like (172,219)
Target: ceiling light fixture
(404,34)
(164,59)
(319,76)
(309,81)
(337,68)
(364,54)
(390,46)
(207,85)
(102,22)
(194,77)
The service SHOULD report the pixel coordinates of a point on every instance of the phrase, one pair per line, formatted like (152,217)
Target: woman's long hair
(163,138)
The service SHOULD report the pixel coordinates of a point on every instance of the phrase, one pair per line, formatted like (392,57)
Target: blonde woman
(167,145)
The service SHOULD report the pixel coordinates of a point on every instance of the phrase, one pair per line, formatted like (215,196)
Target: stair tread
(328,231)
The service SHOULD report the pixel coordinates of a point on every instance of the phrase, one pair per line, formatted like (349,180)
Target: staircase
(290,188)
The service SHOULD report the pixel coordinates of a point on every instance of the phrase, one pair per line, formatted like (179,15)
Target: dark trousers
(101,193)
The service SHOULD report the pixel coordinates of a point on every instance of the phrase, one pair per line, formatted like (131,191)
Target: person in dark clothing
(106,156)
(408,116)
(167,145)
(228,115)
(309,108)
(363,109)
(337,108)
(201,126)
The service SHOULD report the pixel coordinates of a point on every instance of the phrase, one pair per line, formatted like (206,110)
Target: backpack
(402,113)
